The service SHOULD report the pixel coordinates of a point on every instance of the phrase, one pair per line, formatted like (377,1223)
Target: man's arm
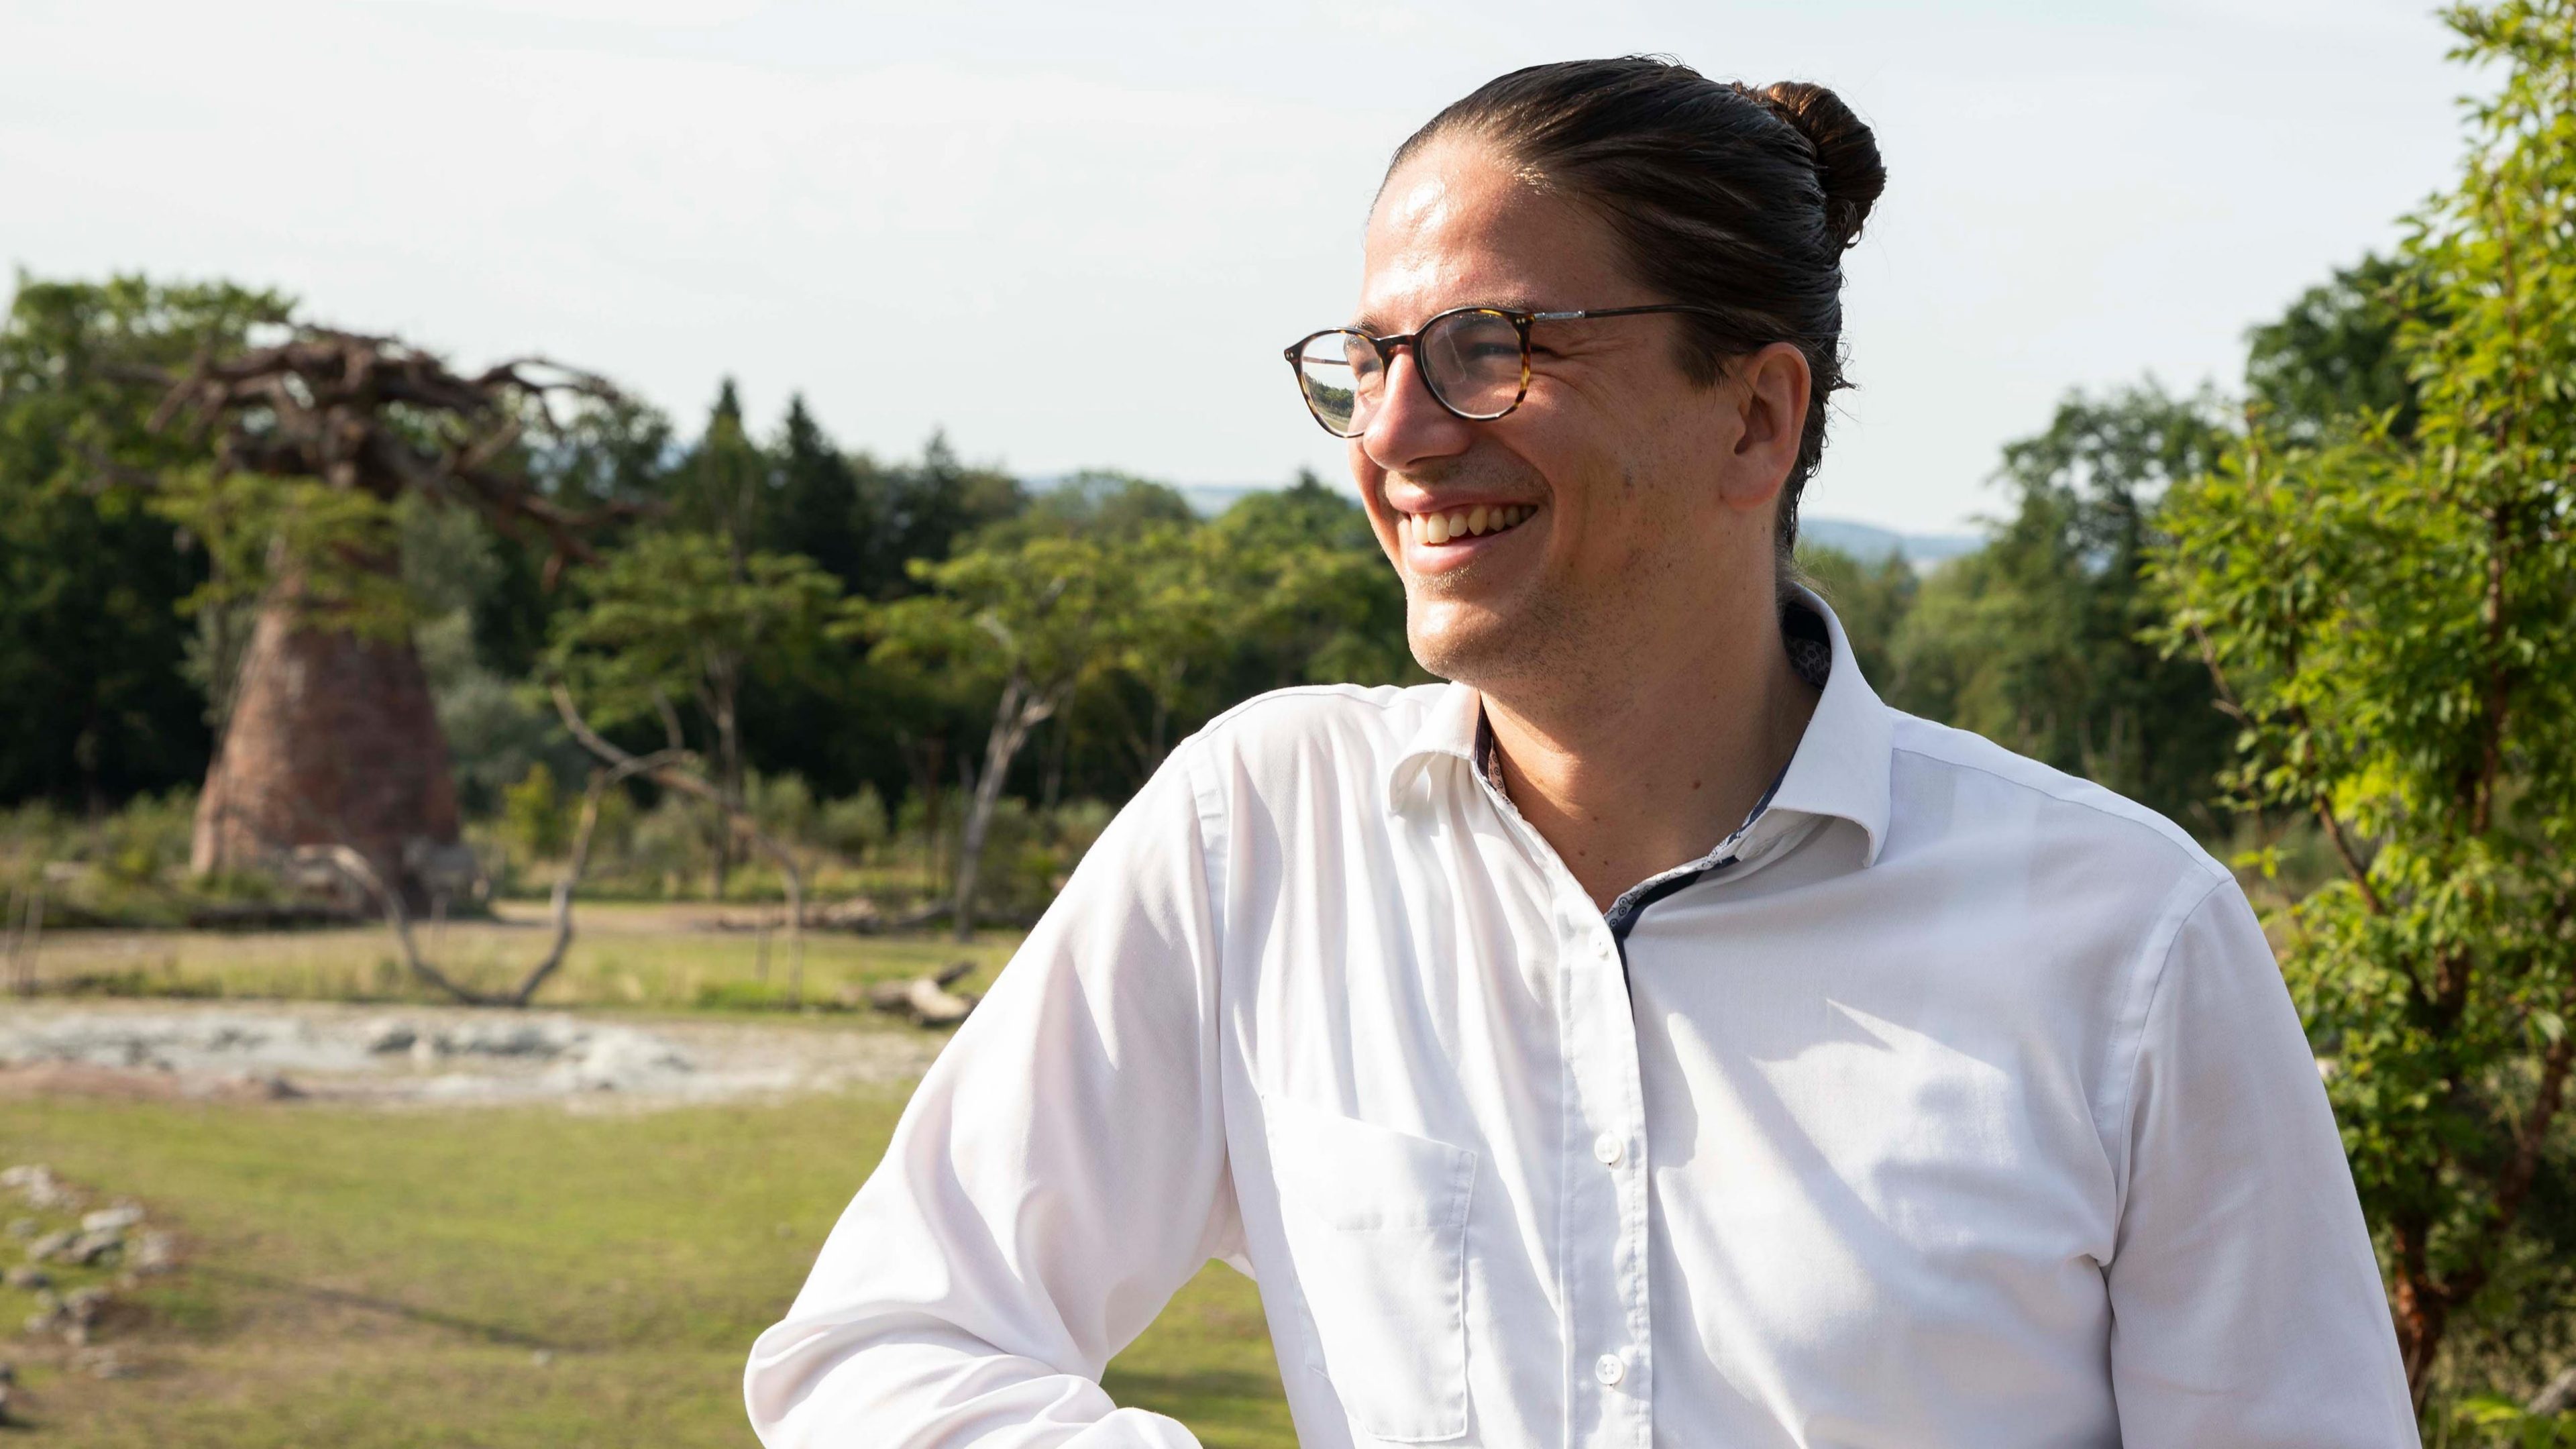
(2246,1304)
(1058,1174)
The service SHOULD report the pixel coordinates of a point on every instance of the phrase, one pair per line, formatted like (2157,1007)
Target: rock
(620,1060)
(36,1183)
(95,1247)
(50,1244)
(391,1036)
(27,1275)
(118,1218)
(155,1253)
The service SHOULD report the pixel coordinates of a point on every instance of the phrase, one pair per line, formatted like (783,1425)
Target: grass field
(370,1280)
(647,956)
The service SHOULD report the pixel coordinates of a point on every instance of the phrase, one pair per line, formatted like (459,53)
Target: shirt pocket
(1376,1222)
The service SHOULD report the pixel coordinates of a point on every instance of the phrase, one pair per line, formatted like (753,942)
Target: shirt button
(1606,1147)
(1601,948)
(1608,1369)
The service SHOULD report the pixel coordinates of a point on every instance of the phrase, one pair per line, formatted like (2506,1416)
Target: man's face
(1616,456)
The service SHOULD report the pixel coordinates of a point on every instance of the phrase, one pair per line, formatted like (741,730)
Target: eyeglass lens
(1470,360)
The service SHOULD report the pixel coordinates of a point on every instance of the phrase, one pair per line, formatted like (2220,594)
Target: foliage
(2332,358)
(674,617)
(2394,619)
(94,582)
(1872,600)
(2033,641)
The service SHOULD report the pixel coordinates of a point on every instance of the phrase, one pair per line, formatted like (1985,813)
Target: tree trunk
(332,741)
(1022,709)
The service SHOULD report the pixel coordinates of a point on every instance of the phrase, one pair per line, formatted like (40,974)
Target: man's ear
(1770,390)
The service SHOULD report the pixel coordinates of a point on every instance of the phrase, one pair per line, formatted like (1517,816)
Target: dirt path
(426,1056)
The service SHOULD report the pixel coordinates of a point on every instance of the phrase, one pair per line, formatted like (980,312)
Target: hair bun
(1847,163)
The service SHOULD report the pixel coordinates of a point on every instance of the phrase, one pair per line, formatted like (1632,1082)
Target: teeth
(1437,528)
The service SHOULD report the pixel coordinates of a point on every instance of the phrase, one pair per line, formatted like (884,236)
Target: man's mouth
(1457,523)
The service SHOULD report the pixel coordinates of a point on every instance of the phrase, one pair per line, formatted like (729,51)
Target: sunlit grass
(505,1278)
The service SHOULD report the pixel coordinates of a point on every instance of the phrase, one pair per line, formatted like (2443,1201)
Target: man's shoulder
(1335,724)
(1965,788)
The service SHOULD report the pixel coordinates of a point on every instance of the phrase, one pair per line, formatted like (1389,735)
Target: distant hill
(1870,543)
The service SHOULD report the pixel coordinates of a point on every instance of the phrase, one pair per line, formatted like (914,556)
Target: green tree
(103,658)
(1872,600)
(2394,619)
(818,511)
(2332,357)
(677,618)
(2034,640)
(1024,624)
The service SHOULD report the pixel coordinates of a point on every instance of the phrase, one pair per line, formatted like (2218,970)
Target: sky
(967,216)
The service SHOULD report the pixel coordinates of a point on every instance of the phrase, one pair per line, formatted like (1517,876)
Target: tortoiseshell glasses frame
(1338,408)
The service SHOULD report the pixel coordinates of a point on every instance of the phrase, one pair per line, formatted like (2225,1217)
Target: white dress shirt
(1958,1105)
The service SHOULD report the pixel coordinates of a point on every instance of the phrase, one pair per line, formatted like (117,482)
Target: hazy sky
(969,215)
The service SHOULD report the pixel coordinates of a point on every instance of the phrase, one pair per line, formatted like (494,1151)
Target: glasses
(1475,360)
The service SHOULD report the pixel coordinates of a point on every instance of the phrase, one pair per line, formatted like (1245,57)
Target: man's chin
(1469,645)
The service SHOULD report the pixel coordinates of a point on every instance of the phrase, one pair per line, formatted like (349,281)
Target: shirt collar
(1841,767)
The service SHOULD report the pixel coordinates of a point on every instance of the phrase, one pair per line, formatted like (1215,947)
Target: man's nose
(1410,424)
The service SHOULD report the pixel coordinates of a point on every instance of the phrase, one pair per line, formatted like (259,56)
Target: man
(1647,1038)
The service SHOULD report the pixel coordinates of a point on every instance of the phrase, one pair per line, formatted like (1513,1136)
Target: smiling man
(1647,1038)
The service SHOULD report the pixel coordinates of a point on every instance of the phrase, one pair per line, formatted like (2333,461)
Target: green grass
(369,1280)
(650,956)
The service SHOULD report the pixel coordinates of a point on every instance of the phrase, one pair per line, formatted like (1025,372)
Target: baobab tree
(329,739)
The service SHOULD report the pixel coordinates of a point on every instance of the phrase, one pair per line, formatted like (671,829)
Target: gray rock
(118,1218)
(27,1275)
(93,1247)
(50,1244)
(36,1183)
(155,1253)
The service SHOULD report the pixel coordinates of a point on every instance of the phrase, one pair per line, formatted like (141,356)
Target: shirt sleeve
(2246,1303)
(1058,1174)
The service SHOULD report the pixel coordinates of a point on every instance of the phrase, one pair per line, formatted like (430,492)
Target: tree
(818,511)
(103,672)
(1872,600)
(1327,606)
(2333,355)
(922,511)
(2393,618)
(329,735)
(2034,640)
(1024,623)
(677,617)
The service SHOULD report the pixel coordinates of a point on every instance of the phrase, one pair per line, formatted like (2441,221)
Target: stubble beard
(1531,640)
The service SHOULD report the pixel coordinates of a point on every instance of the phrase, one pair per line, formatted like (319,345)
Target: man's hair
(1725,197)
